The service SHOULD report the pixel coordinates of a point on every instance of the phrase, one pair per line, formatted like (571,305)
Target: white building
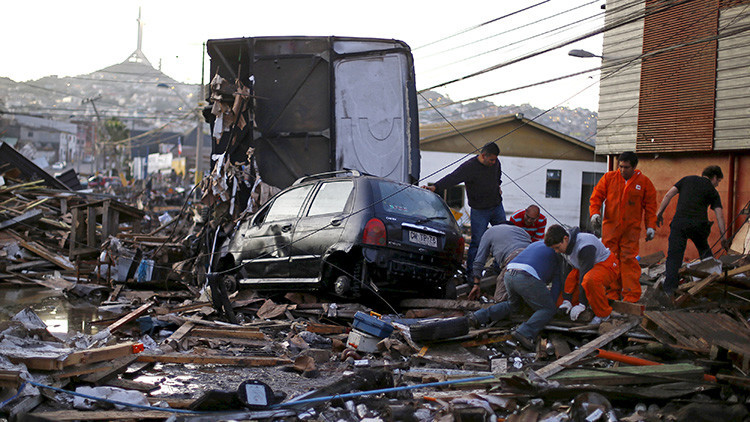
(541,166)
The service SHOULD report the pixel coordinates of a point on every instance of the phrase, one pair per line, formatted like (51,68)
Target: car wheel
(439,329)
(342,285)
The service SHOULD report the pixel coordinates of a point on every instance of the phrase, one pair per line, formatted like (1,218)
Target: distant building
(51,140)
(674,89)
(540,165)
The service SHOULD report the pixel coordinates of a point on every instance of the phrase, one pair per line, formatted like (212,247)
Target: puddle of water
(61,315)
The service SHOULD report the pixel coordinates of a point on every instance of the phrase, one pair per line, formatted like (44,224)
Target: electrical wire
(509,30)
(482,24)
(589,34)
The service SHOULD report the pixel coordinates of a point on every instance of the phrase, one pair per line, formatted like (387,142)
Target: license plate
(423,239)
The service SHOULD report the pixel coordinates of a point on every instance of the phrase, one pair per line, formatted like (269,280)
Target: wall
(665,171)
(529,175)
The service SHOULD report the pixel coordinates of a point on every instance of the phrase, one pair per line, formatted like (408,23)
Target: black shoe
(472,320)
(524,341)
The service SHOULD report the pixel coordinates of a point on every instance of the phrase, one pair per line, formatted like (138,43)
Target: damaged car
(350,234)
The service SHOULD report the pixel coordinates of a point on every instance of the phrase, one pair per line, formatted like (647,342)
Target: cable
(482,24)
(559,45)
(381,391)
(116,402)
(509,30)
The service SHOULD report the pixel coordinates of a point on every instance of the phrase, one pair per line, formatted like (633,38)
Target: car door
(265,241)
(320,227)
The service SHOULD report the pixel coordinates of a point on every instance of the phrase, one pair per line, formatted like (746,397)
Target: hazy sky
(77,37)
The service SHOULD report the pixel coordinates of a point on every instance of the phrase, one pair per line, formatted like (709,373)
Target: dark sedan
(350,234)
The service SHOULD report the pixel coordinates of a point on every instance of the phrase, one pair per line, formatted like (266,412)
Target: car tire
(439,329)
(342,285)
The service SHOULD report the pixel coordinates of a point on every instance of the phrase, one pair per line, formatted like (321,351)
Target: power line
(622,22)
(463,31)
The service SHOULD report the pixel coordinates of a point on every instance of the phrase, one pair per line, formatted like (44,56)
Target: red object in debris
(630,360)
(138,348)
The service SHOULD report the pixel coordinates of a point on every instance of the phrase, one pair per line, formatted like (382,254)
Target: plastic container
(372,325)
(362,342)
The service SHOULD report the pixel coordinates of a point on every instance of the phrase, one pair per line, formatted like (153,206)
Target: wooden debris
(217,360)
(631,374)
(132,316)
(586,349)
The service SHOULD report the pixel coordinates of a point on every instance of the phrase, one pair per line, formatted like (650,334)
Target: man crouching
(526,278)
(595,269)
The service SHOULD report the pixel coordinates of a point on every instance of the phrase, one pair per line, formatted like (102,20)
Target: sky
(449,39)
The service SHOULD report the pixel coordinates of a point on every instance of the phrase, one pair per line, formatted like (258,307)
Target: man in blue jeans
(526,279)
(482,176)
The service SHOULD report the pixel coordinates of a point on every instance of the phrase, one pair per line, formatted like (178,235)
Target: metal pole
(199,126)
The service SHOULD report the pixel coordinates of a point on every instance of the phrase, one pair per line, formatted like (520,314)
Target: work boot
(472,320)
(598,320)
(524,341)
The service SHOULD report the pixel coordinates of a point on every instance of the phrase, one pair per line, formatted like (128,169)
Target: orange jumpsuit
(626,203)
(597,284)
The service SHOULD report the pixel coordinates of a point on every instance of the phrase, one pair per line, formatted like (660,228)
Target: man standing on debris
(532,221)
(505,242)
(690,221)
(526,278)
(628,196)
(482,176)
(594,271)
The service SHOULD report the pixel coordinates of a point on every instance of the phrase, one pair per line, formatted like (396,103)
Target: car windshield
(409,200)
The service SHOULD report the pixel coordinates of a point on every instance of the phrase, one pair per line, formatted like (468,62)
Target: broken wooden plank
(132,316)
(10,379)
(233,333)
(326,328)
(628,308)
(40,250)
(587,348)
(561,345)
(99,415)
(215,360)
(94,368)
(631,374)
(703,284)
(466,305)
(25,218)
(173,341)
(109,369)
(100,354)
(738,270)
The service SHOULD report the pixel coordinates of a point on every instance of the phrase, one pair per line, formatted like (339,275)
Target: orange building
(675,88)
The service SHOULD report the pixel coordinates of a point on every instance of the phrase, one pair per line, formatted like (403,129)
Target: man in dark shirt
(482,176)
(690,220)
(526,278)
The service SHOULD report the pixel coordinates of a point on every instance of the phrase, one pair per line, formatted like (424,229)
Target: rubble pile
(312,360)
(164,349)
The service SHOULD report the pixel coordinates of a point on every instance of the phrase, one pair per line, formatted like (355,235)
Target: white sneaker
(598,320)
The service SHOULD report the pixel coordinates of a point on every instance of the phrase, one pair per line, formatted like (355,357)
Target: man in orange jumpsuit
(629,196)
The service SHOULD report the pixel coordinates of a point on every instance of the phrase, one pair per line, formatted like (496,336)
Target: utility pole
(93,100)
(199,126)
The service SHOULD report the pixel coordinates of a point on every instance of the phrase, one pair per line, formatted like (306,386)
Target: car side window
(287,205)
(331,198)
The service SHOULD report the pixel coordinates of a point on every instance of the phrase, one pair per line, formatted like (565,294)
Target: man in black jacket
(482,176)
(690,221)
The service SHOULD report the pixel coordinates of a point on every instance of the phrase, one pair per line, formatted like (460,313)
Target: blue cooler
(372,325)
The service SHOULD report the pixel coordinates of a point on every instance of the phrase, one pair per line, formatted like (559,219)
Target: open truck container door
(326,103)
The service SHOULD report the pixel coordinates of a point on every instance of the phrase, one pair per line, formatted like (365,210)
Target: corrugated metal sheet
(619,87)
(678,87)
(732,125)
